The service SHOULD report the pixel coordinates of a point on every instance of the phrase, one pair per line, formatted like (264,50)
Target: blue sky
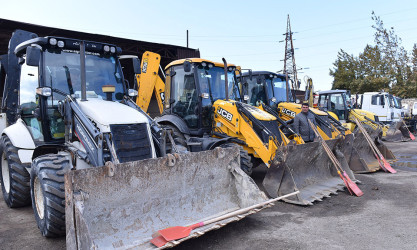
(246,33)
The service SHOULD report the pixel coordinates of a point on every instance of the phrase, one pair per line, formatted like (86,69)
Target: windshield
(211,81)
(255,91)
(62,71)
(397,102)
(279,87)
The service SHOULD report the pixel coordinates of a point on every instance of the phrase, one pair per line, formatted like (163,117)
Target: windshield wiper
(69,82)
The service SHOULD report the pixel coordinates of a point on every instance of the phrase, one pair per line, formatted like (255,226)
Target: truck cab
(383,104)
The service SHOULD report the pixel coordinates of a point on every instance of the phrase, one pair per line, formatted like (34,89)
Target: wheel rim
(39,201)
(5,173)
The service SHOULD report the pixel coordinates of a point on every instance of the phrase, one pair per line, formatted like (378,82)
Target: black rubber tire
(245,159)
(18,191)
(178,137)
(48,191)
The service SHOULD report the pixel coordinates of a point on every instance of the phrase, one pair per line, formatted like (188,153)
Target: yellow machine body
(149,82)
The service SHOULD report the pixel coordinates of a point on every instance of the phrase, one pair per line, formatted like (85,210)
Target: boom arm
(149,82)
(86,132)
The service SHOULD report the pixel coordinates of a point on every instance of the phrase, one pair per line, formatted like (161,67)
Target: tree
(384,66)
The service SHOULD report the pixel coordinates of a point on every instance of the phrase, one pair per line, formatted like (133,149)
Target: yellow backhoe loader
(337,104)
(203,108)
(270,90)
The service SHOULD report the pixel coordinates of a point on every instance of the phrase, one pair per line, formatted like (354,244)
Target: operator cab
(336,101)
(52,64)
(264,87)
(192,86)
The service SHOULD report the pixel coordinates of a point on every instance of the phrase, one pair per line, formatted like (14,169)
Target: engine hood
(105,113)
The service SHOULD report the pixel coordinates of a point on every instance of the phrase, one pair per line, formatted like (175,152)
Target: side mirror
(136,66)
(187,66)
(33,56)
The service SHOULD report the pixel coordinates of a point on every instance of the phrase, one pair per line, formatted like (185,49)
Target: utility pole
(290,69)
(187,38)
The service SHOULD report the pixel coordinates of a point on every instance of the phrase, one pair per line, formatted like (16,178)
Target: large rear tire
(14,176)
(245,160)
(48,193)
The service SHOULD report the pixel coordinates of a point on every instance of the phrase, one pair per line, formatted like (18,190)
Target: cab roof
(333,91)
(263,73)
(196,60)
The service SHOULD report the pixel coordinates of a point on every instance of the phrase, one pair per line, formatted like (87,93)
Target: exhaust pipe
(82,69)
(226,81)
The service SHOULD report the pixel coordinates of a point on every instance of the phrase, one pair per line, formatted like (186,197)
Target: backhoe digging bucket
(307,168)
(120,206)
(397,131)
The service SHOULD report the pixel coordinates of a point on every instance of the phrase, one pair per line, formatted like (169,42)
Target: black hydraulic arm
(84,129)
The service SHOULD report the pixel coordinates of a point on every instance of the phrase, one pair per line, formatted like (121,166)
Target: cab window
(28,100)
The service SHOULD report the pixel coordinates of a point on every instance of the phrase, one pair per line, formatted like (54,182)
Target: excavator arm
(149,82)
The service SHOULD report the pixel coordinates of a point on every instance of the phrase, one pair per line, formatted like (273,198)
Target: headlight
(113,50)
(132,92)
(245,97)
(106,48)
(61,44)
(52,41)
(211,65)
(204,64)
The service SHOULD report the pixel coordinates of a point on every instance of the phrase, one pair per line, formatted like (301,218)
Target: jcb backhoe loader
(203,107)
(269,90)
(67,115)
(335,102)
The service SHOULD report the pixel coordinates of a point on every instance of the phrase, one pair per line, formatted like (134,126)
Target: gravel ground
(385,217)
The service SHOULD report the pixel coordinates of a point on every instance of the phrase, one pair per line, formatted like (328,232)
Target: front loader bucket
(397,131)
(120,206)
(363,159)
(386,152)
(307,168)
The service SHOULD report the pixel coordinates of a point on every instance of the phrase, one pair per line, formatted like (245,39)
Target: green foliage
(384,66)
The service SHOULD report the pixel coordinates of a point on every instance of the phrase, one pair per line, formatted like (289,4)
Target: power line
(357,20)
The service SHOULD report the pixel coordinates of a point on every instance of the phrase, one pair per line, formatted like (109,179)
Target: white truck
(410,107)
(383,104)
